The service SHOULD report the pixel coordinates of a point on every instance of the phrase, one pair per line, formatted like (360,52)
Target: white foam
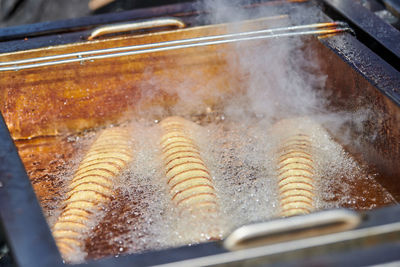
(242,162)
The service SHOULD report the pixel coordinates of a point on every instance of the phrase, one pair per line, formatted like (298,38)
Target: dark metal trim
(345,257)
(379,36)
(372,67)
(25,228)
(160,257)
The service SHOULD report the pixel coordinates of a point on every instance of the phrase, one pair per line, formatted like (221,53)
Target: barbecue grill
(358,52)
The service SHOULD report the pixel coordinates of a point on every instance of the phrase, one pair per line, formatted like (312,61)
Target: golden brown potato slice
(91,186)
(190,184)
(295,168)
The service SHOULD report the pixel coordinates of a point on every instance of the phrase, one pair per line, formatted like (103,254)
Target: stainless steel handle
(292,228)
(139,25)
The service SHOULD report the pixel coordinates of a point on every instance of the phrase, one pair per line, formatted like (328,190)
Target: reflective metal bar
(140,25)
(357,238)
(156,47)
(315,224)
(175,42)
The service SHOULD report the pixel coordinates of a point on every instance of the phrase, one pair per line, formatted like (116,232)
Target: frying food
(91,186)
(295,169)
(190,184)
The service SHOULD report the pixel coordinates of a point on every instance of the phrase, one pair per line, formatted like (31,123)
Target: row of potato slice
(189,181)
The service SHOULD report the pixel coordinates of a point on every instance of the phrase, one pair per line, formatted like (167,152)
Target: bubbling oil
(241,159)
(242,163)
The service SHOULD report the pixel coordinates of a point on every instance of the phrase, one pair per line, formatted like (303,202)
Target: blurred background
(17,12)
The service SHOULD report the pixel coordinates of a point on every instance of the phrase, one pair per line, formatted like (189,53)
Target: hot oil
(241,160)
(242,166)
(141,216)
(243,163)
(236,156)
(50,161)
(138,213)
(347,181)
